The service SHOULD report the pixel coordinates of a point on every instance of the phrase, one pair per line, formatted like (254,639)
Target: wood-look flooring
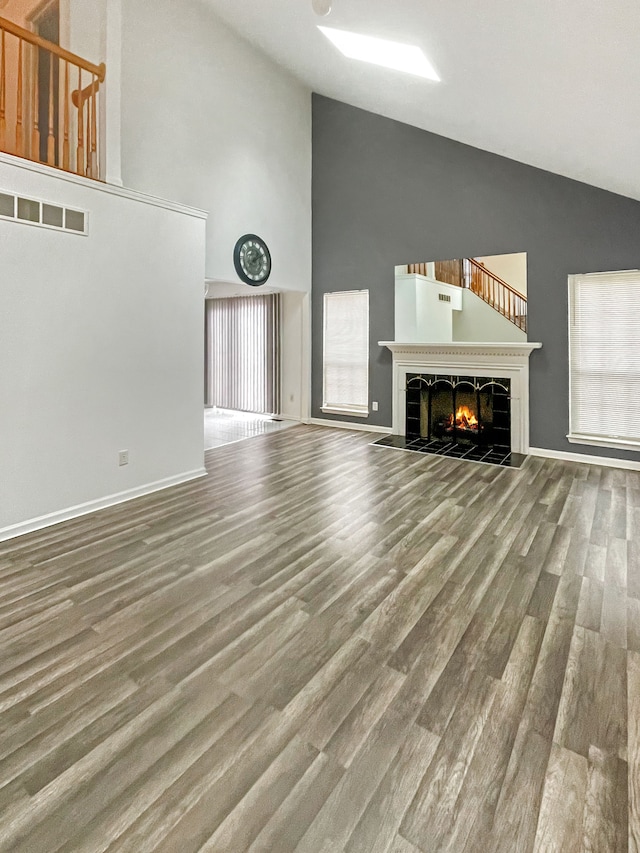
(327,646)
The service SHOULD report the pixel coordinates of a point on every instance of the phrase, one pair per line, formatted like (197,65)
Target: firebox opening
(464,411)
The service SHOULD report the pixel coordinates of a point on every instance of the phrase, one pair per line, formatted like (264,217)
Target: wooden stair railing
(71,137)
(469,273)
(496,292)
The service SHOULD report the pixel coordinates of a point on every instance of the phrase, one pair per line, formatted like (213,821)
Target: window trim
(354,411)
(574,437)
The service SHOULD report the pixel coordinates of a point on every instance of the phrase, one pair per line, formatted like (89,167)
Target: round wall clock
(252,259)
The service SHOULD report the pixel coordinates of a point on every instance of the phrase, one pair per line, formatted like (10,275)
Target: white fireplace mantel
(506,360)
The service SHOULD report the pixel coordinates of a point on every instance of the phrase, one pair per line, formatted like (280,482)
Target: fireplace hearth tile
(471,453)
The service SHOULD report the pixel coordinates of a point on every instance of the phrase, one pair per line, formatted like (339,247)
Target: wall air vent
(33,211)
(444,297)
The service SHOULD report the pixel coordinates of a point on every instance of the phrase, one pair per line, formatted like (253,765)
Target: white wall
(420,315)
(295,363)
(209,121)
(101,349)
(480,322)
(510,268)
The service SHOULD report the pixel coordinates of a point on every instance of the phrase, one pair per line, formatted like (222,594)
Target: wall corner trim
(89,507)
(347,425)
(585,459)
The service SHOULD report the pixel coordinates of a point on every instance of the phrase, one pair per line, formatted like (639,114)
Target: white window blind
(242,353)
(604,359)
(346,353)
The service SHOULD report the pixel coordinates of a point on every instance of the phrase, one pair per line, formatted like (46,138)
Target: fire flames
(465,419)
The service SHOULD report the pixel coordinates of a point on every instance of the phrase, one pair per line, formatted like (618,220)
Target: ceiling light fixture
(321,7)
(389,54)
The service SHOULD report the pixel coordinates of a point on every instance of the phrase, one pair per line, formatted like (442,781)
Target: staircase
(470,274)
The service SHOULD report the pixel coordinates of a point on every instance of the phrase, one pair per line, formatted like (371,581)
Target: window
(242,353)
(604,359)
(346,353)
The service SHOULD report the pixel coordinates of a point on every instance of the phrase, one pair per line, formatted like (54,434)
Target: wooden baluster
(80,147)
(88,134)
(35,132)
(3,89)
(94,129)
(19,128)
(51,139)
(65,142)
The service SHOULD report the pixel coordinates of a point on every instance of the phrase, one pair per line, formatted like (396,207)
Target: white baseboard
(92,506)
(347,425)
(606,461)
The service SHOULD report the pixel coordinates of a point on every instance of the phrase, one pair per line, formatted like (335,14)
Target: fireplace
(469,400)
(467,410)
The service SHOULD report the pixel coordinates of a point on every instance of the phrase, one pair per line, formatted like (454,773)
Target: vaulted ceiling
(552,83)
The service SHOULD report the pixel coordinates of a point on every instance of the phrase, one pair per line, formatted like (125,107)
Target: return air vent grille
(35,212)
(444,297)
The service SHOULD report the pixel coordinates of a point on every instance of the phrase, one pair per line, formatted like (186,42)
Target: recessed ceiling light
(320,7)
(389,54)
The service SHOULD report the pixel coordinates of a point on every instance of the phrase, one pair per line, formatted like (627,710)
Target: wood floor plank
(378,826)
(560,821)
(328,646)
(593,710)
(288,824)
(482,784)
(242,826)
(434,805)
(605,809)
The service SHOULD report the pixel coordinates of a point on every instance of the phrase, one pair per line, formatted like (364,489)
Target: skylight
(389,54)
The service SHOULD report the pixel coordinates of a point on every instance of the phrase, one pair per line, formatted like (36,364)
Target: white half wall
(420,312)
(101,349)
(480,322)
(210,121)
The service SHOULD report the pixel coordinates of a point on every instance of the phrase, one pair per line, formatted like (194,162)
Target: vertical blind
(346,352)
(604,357)
(242,353)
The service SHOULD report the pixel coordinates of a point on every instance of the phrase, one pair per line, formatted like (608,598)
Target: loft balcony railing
(496,292)
(469,273)
(49,102)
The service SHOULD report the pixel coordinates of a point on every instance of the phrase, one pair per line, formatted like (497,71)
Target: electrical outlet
(374,406)
(123,458)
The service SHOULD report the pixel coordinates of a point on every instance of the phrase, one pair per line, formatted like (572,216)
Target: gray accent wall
(386,193)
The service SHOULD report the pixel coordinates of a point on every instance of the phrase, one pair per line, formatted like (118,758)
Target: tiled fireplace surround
(506,360)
